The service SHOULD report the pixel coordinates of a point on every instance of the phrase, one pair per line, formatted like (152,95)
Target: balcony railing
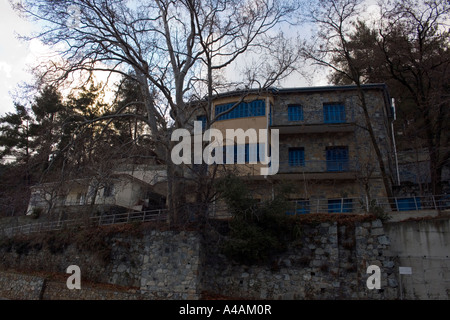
(313,117)
(317,166)
(361,205)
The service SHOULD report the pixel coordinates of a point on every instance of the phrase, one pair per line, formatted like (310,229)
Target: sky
(16,57)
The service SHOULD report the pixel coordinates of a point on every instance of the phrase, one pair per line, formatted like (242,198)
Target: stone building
(325,151)
(126,188)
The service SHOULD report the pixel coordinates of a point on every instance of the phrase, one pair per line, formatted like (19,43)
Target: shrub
(258,230)
(36,213)
(378,211)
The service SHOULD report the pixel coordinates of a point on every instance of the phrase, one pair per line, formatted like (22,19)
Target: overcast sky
(17,56)
(14,54)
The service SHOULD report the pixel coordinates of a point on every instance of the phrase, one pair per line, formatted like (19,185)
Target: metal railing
(142,216)
(337,205)
(316,166)
(104,220)
(309,117)
(353,205)
(363,205)
(414,203)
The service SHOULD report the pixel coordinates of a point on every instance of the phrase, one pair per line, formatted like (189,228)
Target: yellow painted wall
(256,123)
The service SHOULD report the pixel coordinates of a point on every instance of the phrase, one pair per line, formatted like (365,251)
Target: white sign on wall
(405,270)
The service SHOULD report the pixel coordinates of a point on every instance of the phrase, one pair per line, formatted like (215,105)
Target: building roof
(277,91)
(274,90)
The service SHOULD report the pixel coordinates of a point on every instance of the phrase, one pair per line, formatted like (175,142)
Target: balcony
(312,122)
(319,169)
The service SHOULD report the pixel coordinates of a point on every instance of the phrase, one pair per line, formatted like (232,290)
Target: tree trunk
(384,175)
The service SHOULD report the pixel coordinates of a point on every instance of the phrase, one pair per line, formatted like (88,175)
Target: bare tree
(414,41)
(332,48)
(408,49)
(164,43)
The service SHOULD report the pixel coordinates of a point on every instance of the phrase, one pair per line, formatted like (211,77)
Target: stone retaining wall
(19,286)
(328,262)
(57,290)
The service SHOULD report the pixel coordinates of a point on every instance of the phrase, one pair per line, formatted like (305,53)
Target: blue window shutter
(337,159)
(334,206)
(243,110)
(203,119)
(333,113)
(299,207)
(408,204)
(303,207)
(340,205)
(261,108)
(295,113)
(296,157)
(347,205)
(247,153)
(270,115)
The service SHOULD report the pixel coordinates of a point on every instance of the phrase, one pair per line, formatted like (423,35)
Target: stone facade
(160,265)
(329,261)
(360,176)
(20,286)
(170,265)
(315,136)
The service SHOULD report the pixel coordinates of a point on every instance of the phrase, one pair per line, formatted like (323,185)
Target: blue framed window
(340,205)
(251,152)
(202,118)
(270,115)
(255,108)
(337,159)
(408,204)
(299,207)
(296,157)
(295,113)
(333,113)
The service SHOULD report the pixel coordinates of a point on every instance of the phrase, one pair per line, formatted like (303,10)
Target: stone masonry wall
(19,286)
(159,264)
(171,264)
(361,151)
(330,263)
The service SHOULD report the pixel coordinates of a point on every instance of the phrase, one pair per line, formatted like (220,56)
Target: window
(333,113)
(296,157)
(202,118)
(243,110)
(108,191)
(340,205)
(295,113)
(270,115)
(81,198)
(408,204)
(299,207)
(251,152)
(337,159)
